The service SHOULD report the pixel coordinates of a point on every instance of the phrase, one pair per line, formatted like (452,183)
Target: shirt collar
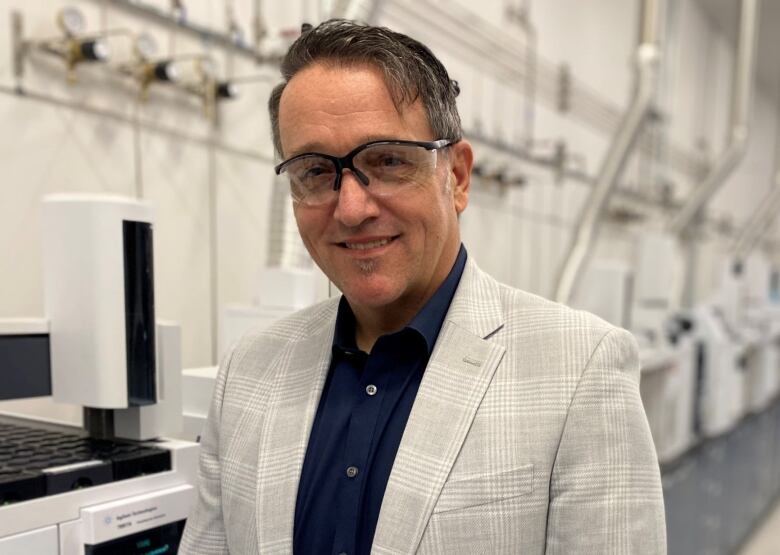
(427,322)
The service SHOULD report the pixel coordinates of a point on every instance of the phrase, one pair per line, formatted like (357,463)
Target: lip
(367,252)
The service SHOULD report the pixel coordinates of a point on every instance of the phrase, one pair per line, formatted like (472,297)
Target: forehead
(332,108)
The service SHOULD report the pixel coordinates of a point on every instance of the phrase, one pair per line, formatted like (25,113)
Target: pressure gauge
(145,46)
(71,21)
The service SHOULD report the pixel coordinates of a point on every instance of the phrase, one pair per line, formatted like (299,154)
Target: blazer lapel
(455,381)
(285,435)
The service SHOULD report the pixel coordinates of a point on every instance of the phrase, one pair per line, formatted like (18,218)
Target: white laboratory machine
(722,361)
(737,330)
(667,388)
(760,318)
(113,487)
(667,348)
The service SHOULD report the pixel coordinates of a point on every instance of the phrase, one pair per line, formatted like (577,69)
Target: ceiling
(725,15)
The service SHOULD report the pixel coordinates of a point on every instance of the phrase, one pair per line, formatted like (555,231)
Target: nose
(355,203)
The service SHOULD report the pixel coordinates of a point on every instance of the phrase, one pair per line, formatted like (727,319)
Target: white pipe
(760,221)
(647,61)
(740,122)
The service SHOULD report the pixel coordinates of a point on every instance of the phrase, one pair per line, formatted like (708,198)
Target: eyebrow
(316,147)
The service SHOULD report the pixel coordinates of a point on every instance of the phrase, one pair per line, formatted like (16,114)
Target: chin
(372,293)
(370,299)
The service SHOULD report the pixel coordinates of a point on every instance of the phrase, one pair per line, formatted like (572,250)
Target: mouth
(368,244)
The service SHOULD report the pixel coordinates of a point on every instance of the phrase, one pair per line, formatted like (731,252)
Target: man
(430,409)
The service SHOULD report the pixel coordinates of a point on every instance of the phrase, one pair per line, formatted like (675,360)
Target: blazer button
(352,471)
(371,389)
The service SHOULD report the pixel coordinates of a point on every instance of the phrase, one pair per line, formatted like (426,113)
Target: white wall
(519,235)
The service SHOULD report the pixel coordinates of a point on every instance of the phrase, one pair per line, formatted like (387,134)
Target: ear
(461,164)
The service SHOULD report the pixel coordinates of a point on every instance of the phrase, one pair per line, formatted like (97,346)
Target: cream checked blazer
(527,436)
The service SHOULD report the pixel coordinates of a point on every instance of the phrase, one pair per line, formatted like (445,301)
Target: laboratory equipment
(114,486)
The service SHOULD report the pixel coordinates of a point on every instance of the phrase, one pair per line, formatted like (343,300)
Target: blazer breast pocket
(482,489)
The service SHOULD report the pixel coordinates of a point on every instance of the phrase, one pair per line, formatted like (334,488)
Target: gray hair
(410,70)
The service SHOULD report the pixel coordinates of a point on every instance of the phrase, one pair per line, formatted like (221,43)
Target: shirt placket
(360,436)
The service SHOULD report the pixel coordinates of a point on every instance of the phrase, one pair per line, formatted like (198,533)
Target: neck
(373,322)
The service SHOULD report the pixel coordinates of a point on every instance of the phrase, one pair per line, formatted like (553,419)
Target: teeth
(370,245)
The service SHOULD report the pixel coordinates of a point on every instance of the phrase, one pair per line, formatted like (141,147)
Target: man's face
(381,252)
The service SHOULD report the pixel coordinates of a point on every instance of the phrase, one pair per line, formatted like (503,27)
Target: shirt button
(371,389)
(352,471)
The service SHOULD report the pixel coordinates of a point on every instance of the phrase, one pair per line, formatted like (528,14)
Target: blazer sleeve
(204,532)
(605,487)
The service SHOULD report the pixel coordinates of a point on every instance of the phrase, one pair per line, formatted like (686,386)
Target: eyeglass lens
(384,168)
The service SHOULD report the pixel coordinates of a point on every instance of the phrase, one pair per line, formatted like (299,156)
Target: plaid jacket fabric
(527,436)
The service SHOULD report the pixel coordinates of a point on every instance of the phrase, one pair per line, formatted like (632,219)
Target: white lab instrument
(99,299)
(722,387)
(667,349)
(114,488)
(667,387)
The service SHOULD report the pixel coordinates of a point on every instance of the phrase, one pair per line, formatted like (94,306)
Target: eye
(386,159)
(314,171)
(391,161)
(311,170)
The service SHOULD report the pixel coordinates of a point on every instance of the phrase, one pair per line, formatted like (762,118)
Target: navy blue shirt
(360,419)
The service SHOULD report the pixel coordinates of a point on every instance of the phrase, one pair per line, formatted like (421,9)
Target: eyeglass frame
(346,161)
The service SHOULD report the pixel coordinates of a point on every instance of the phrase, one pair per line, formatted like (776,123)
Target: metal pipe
(650,27)
(259,28)
(531,49)
(522,16)
(760,221)
(200,32)
(138,159)
(742,92)
(146,125)
(214,260)
(647,61)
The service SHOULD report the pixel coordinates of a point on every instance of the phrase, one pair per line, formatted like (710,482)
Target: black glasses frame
(347,160)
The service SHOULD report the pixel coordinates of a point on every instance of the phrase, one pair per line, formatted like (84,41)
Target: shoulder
(559,338)
(530,312)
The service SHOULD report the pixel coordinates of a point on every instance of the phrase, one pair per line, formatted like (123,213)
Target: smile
(366,245)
